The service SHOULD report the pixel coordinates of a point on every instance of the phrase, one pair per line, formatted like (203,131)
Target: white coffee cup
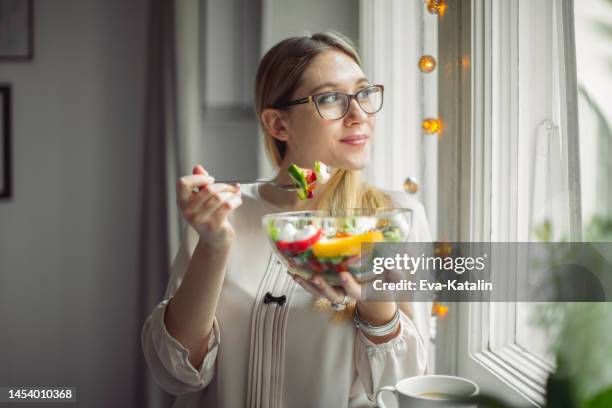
(430,391)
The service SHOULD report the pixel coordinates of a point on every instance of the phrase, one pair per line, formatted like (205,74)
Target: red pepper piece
(283,247)
(340,268)
(343,266)
(310,176)
(298,246)
(315,265)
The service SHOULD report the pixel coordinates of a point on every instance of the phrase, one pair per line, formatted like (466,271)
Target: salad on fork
(307,180)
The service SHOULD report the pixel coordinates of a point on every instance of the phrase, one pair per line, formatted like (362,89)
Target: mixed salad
(308,179)
(328,250)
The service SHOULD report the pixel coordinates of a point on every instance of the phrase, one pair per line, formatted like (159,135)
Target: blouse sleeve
(166,357)
(405,355)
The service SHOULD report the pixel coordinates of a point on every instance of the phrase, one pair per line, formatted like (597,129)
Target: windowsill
(517,368)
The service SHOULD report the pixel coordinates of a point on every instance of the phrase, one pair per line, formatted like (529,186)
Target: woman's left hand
(374,313)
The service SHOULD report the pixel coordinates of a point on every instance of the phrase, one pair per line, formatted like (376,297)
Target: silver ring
(340,305)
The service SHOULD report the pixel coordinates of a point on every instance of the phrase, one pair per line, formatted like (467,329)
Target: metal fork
(287,187)
(272,183)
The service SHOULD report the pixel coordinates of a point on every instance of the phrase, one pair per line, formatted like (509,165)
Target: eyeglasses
(334,105)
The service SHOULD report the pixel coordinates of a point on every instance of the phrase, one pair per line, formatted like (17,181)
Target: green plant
(582,345)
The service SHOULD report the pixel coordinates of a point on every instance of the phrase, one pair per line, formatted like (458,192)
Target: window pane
(594,68)
(528,335)
(593,25)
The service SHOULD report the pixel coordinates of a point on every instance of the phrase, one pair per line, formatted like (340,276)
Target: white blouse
(266,355)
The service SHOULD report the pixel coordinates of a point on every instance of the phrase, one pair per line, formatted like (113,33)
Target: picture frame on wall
(5,141)
(16,33)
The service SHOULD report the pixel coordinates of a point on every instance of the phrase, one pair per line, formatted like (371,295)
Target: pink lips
(355,140)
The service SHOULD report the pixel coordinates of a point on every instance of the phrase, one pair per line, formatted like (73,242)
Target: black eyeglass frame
(312,99)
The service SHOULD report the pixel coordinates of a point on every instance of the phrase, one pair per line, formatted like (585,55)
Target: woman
(213,341)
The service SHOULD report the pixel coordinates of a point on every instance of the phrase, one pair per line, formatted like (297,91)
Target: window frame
(479,41)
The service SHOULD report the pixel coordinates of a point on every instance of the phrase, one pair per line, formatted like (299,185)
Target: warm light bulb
(437,7)
(431,126)
(440,310)
(411,185)
(427,63)
(443,249)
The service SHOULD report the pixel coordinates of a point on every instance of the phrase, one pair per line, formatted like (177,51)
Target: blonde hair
(279,74)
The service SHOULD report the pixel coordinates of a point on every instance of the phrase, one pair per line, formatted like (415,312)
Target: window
(594,67)
(511,155)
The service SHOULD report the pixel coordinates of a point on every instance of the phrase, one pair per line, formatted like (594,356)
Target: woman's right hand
(207,210)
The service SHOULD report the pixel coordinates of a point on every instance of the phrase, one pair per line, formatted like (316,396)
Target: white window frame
(490,134)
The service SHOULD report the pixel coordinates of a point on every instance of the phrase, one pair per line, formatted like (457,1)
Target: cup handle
(379,400)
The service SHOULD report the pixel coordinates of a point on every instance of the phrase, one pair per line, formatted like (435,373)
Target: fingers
(198,169)
(186,184)
(307,285)
(325,289)
(209,199)
(319,287)
(221,213)
(350,285)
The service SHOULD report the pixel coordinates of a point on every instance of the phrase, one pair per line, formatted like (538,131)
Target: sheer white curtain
(391,44)
(187,76)
(170,146)
(555,166)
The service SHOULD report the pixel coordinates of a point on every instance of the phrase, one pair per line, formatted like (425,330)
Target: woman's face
(343,143)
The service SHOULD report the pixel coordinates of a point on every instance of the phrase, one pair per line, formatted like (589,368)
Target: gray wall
(286,18)
(229,53)
(68,237)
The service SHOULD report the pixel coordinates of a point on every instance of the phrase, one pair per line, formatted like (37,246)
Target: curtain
(568,110)
(555,193)
(390,43)
(154,220)
(169,149)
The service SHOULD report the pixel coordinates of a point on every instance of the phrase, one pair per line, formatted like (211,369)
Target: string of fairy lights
(428,63)
(431,125)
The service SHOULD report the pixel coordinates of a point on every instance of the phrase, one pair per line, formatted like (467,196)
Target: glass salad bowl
(325,243)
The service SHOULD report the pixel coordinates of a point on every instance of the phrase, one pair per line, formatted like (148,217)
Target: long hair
(278,76)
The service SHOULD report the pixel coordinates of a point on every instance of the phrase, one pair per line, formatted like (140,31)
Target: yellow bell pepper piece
(346,246)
